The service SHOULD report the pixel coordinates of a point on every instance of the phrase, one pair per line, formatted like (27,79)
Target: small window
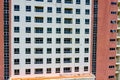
(58,50)
(49,60)
(57,70)
(28,29)
(112,49)
(16,51)
(49,40)
(58,20)
(77,11)
(86,50)
(113,12)
(16,61)
(67,60)
(16,72)
(85,68)
(49,70)
(16,40)
(112,39)
(27,50)
(49,0)
(38,50)
(16,29)
(38,61)
(77,40)
(49,9)
(111,58)
(76,69)
(87,2)
(28,61)
(87,21)
(112,66)
(49,30)
(86,31)
(113,3)
(58,1)
(49,50)
(113,21)
(28,8)
(16,8)
(87,11)
(57,60)
(38,30)
(111,76)
(38,40)
(58,40)
(77,31)
(77,1)
(39,71)
(28,19)
(77,50)
(77,60)
(86,40)
(27,71)
(39,0)
(28,40)
(39,9)
(49,20)
(39,19)
(67,69)
(16,18)
(58,30)
(86,59)
(77,21)
(58,10)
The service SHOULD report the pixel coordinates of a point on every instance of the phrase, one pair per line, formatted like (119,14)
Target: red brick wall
(103,39)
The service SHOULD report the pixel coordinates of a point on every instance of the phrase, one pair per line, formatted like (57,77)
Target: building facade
(58,39)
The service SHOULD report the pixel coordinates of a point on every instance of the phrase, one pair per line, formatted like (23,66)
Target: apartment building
(58,39)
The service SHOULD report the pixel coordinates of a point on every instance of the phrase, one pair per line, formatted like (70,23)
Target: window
(113,12)
(85,68)
(86,40)
(58,50)
(39,0)
(77,60)
(86,50)
(49,20)
(58,20)
(16,40)
(16,18)
(16,8)
(77,40)
(16,61)
(112,49)
(49,50)
(49,30)
(38,61)
(68,10)
(16,29)
(87,21)
(28,8)
(111,58)
(68,20)
(111,76)
(77,31)
(58,1)
(38,50)
(58,40)
(68,1)
(113,31)
(39,71)
(112,66)
(39,9)
(67,40)
(58,30)
(48,70)
(38,40)
(27,71)
(67,50)
(39,19)
(27,50)
(16,51)
(57,60)
(67,60)
(28,19)
(86,31)
(87,2)
(77,1)
(113,21)
(112,39)
(38,30)
(77,50)
(28,29)
(85,59)
(77,21)
(49,60)
(58,10)
(28,61)
(76,69)
(28,40)
(16,71)
(57,70)
(67,69)
(87,11)
(68,30)
(49,9)
(49,0)
(49,40)
(77,11)
(113,3)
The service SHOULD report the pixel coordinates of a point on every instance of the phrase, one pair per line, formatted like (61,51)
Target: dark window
(28,19)
(58,10)
(77,1)
(16,29)
(87,2)
(16,18)
(28,8)
(28,29)
(16,8)
(49,9)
